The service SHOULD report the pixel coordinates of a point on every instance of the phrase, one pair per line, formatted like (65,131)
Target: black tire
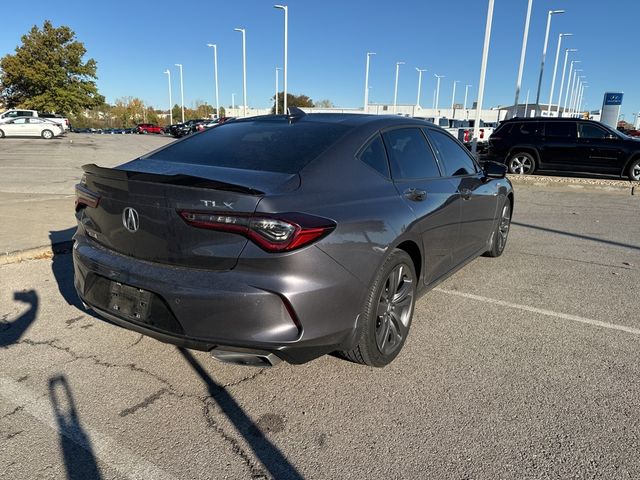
(633,172)
(386,318)
(1,134)
(521,163)
(500,234)
(47,134)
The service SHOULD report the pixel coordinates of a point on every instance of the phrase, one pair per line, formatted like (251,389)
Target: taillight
(273,233)
(467,136)
(85,197)
(482,133)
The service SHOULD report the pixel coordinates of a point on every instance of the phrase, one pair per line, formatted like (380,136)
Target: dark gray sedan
(286,237)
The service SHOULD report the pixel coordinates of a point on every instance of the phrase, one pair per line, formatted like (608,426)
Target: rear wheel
(47,134)
(500,234)
(387,313)
(634,170)
(1,134)
(521,163)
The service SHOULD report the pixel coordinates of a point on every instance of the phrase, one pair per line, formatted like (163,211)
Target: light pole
(555,69)
(170,101)
(526,103)
(277,70)
(523,52)
(544,52)
(483,73)
(573,88)
(564,70)
(564,105)
(433,105)
(437,100)
(578,93)
(366,83)
(453,98)
(466,94)
(285,9)
(215,74)
(244,71)
(395,89)
(233,102)
(179,65)
(580,107)
(419,70)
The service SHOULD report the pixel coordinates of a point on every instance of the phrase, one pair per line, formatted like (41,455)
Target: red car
(148,128)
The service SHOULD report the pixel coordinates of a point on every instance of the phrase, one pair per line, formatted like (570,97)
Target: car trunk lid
(137,211)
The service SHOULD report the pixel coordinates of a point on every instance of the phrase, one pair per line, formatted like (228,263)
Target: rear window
(272,146)
(526,129)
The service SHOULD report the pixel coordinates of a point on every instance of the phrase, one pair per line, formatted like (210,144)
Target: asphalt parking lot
(525,366)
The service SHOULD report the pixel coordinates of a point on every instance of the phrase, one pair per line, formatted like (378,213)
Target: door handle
(465,193)
(415,194)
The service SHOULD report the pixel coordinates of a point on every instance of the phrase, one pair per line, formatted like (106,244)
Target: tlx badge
(213,203)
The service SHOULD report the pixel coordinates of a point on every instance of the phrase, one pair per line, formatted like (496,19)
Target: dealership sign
(611,108)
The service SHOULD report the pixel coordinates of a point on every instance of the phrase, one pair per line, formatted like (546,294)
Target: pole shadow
(79,461)
(577,235)
(11,332)
(271,457)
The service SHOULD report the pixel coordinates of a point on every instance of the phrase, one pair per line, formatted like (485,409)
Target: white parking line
(542,311)
(104,448)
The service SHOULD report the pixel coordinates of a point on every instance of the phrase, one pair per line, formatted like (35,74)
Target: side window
(528,129)
(457,162)
(13,114)
(409,154)
(20,121)
(375,156)
(560,129)
(24,113)
(591,131)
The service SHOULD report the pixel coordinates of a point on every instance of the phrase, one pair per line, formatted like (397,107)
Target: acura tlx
(286,237)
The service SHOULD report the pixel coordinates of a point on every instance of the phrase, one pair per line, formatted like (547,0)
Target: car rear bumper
(298,316)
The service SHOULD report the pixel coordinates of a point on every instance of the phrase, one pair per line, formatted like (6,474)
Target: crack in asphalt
(73,320)
(137,341)
(12,412)
(255,470)
(569,259)
(14,434)
(257,473)
(145,403)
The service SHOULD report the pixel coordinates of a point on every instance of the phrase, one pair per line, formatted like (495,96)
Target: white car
(30,127)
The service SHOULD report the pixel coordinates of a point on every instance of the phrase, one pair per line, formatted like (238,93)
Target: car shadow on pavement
(11,332)
(77,452)
(577,235)
(62,265)
(270,456)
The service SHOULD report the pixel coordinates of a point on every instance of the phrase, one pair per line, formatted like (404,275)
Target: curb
(37,253)
(633,188)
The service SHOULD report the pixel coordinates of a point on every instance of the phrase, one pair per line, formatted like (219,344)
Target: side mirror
(495,170)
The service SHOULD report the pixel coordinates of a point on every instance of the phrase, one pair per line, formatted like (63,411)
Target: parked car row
(528,145)
(179,130)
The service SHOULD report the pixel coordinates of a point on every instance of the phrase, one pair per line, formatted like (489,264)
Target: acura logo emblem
(130,219)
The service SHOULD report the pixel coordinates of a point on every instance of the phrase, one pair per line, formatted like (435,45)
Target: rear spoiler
(181,180)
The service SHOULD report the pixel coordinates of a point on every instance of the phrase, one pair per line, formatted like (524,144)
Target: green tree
(48,73)
(326,103)
(292,101)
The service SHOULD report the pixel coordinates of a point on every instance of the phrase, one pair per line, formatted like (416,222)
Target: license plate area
(129,301)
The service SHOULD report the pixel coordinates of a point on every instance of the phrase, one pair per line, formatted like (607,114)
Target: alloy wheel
(503,228)
(635,172)
(520,165)
(394,309)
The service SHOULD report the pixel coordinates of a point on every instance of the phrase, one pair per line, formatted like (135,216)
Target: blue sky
(134,42)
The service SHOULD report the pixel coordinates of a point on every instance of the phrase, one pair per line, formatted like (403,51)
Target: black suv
(564,144)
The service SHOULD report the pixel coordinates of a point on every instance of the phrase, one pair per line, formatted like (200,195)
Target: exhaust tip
(249,359)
